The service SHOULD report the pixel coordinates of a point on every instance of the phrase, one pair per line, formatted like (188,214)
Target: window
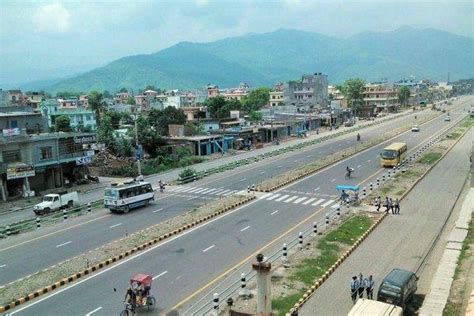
(13,124)
(46,153)
(11,156)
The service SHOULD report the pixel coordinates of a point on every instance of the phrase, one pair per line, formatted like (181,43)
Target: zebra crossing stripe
(282,198)
(274,196)
(218,192)
(225,191)
(318,202)
(207,191)
(291,199)
(179,189)
(309,201)
(188,189)
(229,193)
(327,203)
(198,190)
(300,200)
(265,196)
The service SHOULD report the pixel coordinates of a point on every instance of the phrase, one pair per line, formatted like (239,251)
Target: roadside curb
(121,256)
(307,295)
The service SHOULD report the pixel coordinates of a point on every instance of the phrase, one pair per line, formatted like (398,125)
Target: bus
(393,154)
(122,197)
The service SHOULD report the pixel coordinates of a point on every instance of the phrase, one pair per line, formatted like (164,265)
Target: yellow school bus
(393,154)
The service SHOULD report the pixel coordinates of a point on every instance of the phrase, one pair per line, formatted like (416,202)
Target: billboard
(11,132)
(20,172)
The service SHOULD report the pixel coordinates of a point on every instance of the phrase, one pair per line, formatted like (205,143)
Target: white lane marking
(243,179)
(295,160)
(63,244)
(188,189)
(208,248)
(333,180)
(280,166)
(95,310)
(282,198)
(198,190)
(327,203)
(263,172)
(291,199)
(317,189)
(300,200)
(358,166)
(229,193)
(274,212)
(218,192)
(207,191)
(265,196)
(225,191)
(156,211)
(369,160)
(159,275)
(310,156)
(116,225)
(245,228)
(179,189)
(3,266)
(318,202)
(274,196)
(309,201)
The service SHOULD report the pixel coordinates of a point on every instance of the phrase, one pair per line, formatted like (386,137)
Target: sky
(54,39)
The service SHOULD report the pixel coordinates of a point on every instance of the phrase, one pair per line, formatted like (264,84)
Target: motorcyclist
(162,186)
(348,172)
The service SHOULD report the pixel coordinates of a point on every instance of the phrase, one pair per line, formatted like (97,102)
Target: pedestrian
(361,286)
(369,287)
(391,206)
(354,288)
(397,206)
(378,202)
(386,204)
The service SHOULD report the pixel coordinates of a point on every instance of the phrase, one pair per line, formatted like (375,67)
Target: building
(31,160)
(380,97)
(12,97)
(311,92)
(122,97)
(229,94)
(81,118)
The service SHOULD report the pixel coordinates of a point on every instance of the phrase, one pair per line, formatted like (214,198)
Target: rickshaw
(349,194)
(139,293)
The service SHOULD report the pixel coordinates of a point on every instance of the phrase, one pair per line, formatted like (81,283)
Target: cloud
(52,18)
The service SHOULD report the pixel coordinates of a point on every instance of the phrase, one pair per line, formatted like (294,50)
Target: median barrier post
(315,228)
(338,211)
(364,193)
(253,187)
(215,300)
(378,182)
(300,240)
(371,186)
(248,188)
(327,220)
(244,292)
(64,215)
(38,222)
(89,208)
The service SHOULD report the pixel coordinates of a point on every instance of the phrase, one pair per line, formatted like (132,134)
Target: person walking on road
(354,288)
(369,287)
(378,203)
(387,207)
(390,206)
(397,206)
(361,286)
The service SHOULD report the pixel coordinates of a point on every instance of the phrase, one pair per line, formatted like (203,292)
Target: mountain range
(282,55)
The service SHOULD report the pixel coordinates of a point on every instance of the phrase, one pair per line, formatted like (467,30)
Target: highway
(31,252)
(400,241)
(184,264)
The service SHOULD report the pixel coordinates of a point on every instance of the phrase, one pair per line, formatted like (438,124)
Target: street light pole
(137,148)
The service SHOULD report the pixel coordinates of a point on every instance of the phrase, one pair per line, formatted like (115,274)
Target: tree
(123,90)
(105,133)
(97,104)
(219,107)
(131,101)
(67,94)
(62,123)
(150,87)
(106,94)
(353,90)
(161,119)
(255,116)
(403,95)
(256,99)
(148,137)
(124,147)
(115,118)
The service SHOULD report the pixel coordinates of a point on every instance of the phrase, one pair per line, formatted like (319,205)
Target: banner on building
(85,139)
(20,172)
(81,161)
(11,132)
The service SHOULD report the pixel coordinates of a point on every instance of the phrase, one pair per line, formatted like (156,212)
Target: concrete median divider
(107,262)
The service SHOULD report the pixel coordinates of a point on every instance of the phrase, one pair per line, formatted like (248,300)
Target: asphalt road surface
(31,252)
(184,264)
(399,241)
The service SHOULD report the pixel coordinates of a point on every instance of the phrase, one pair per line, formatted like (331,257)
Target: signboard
(138,152)
(85,139)
(11,131)
(83,160)
(20,172)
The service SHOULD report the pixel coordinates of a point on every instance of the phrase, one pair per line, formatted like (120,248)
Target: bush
(188,172)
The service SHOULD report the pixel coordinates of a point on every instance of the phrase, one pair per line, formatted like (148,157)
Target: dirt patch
(71,266)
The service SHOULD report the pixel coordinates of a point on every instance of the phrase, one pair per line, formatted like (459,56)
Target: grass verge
(430,158)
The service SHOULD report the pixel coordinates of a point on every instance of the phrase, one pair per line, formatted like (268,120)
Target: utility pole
(137,153)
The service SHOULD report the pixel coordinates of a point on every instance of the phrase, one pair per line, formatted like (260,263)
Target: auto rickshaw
(138,294)
(349,194)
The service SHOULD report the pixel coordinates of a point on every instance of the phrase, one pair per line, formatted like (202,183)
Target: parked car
(415,128)
(56,201)
(398,288)
(447,118)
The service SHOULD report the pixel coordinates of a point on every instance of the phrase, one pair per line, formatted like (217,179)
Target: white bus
(122,197)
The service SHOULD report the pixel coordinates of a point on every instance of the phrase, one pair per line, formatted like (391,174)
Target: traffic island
(30,287)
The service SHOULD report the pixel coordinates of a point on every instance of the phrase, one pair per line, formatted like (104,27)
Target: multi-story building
(31,160)
(12,97)
(276,95)
(81,118)
(311,92)
(229,94)
(380,97)
(122,97)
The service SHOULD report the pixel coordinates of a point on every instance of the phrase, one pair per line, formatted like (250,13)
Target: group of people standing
(389,204)
(359,284)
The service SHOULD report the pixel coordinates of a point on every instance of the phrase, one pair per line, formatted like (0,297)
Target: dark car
(398,287)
